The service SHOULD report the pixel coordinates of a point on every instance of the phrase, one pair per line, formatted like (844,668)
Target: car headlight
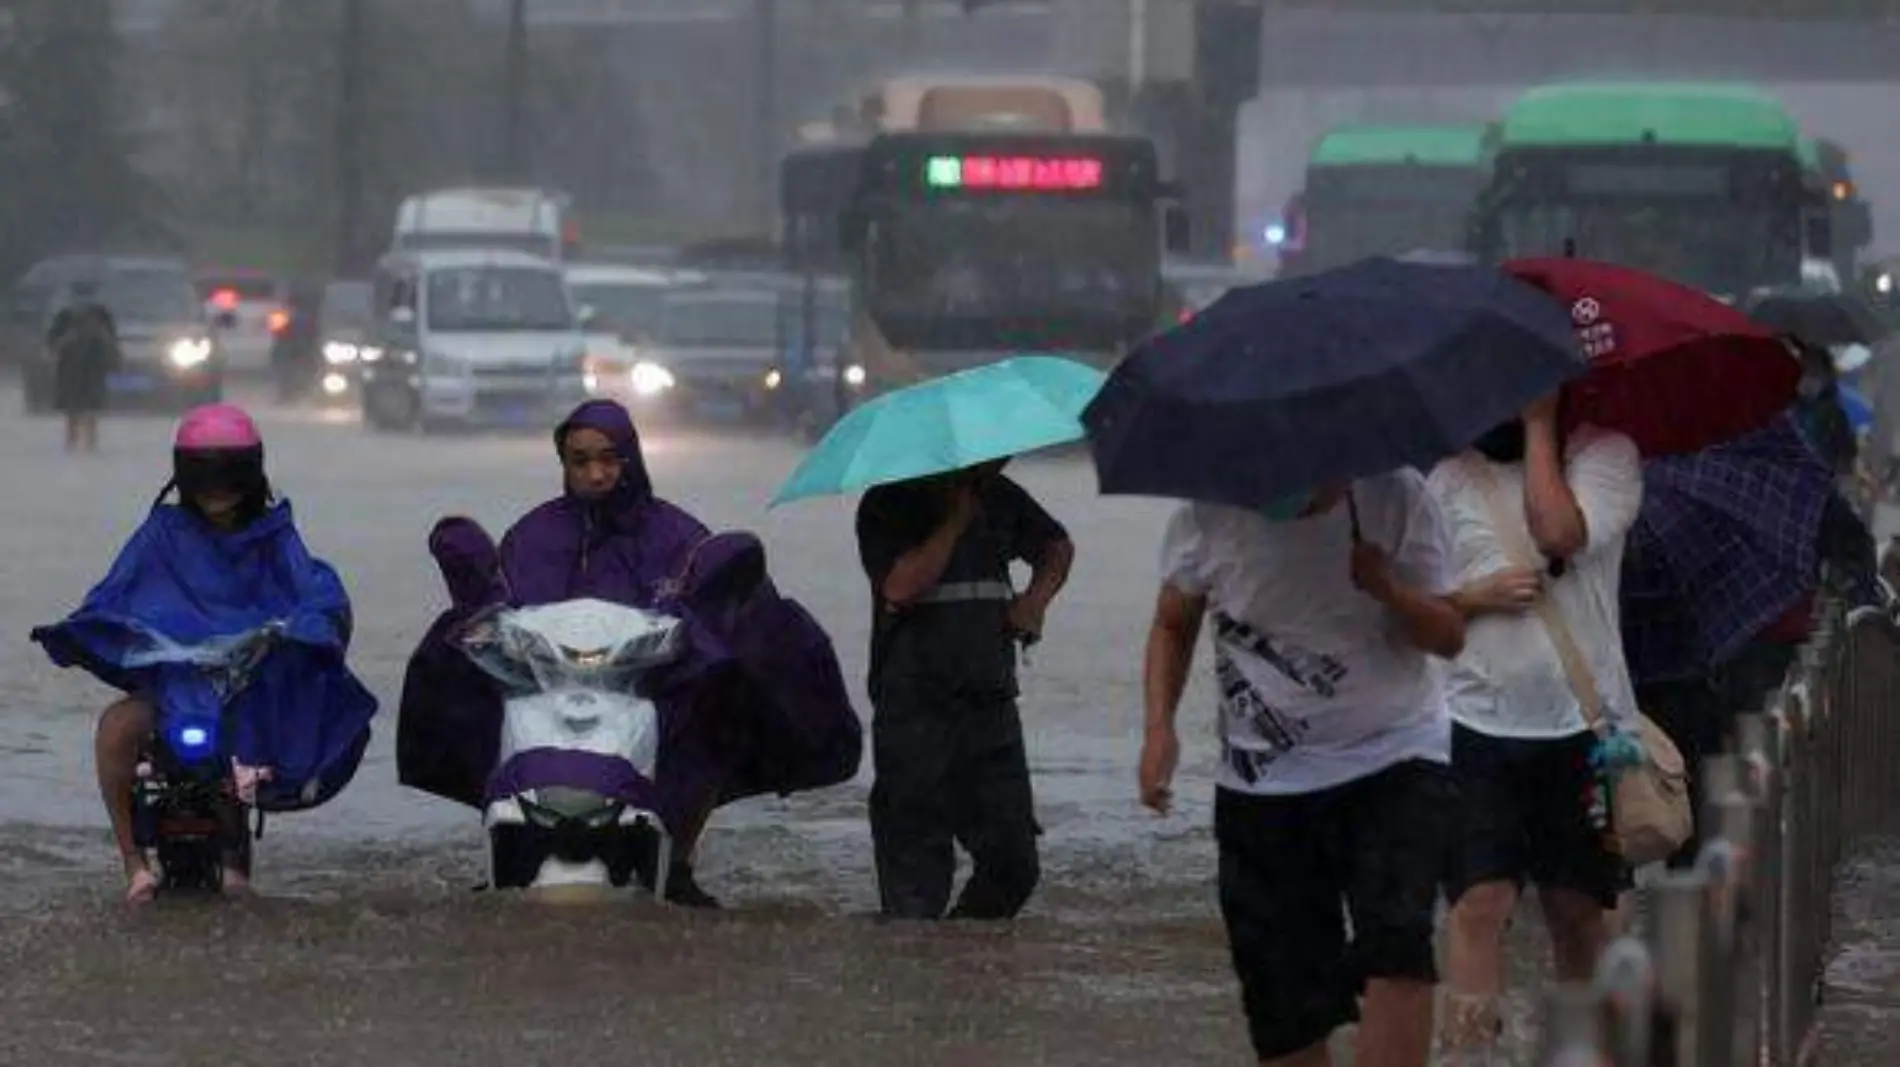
(188,352)
(338,353)
(369,354)
(1883,284)
(854,376)
(649,379)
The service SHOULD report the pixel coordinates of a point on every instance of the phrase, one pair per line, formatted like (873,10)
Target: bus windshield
(1339,233)
(1718,246)
(1013,257)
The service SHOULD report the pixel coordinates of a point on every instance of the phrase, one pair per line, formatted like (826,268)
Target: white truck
(539,222)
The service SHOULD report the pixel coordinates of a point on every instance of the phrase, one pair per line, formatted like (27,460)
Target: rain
(309,207)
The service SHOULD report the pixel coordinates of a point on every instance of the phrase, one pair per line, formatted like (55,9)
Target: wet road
(367,945)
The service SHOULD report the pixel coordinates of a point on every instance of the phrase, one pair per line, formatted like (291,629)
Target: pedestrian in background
(84,342)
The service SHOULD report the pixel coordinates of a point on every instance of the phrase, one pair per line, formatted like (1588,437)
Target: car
(255,308)
(1195,285)
(619,306)
(472,338)
(170,359)
(815,346)
(720,348)
(318,357)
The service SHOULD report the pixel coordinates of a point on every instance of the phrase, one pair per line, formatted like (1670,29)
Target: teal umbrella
(945,424)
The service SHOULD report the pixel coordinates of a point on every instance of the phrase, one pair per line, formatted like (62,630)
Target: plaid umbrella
(1728,539)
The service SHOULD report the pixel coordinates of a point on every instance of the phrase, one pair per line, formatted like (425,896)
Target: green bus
(1375,190)
(1706,183)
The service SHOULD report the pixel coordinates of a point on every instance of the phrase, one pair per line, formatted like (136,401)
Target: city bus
(1374,190)
(1705,183)
(967,246)
(1025,103)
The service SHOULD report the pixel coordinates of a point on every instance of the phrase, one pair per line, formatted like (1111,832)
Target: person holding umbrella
(1538,516)
(1333,784)
(937,533)
(85,344)
(1286,415)
(947,737)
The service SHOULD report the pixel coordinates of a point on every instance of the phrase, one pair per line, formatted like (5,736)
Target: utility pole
(351,38)
(910,41)
(1137,49)
(517,164)
(765,120)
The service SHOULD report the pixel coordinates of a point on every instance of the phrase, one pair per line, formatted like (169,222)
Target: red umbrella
(1674,368)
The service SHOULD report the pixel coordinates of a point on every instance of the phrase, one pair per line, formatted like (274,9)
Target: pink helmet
(215,427)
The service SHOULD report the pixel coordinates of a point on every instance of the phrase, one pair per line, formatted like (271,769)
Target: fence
(1728,967)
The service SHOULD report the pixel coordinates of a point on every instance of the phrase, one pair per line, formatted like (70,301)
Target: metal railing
(1728,965)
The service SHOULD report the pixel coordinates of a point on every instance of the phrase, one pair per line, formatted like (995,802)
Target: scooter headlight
(341,353)
(854,376)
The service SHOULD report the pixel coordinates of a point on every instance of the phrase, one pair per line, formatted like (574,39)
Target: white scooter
(572,800)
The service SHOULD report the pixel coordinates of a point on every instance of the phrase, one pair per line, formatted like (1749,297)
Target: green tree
(67,179)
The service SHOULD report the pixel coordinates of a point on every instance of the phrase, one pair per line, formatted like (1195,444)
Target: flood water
(367,943)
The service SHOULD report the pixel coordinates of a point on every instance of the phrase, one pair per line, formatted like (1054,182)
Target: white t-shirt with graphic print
(1510,681)
(1318,686)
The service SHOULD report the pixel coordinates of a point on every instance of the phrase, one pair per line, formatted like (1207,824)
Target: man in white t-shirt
(1334,786)
(1521,745)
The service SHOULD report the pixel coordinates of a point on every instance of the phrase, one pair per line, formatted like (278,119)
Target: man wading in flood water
(946,735)
(1334,784)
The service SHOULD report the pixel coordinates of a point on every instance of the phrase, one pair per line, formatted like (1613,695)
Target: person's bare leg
(1474,969)
(89,426)
(1315,1056)
(123,727)
(1395,1029)
(235,876)
(1579,931)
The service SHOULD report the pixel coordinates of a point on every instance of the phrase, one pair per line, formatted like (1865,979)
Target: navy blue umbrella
(1279,388)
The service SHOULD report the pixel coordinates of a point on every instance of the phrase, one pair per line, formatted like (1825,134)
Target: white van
(535,221)
(472,338)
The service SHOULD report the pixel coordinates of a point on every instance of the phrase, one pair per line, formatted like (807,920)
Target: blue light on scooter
(192,741)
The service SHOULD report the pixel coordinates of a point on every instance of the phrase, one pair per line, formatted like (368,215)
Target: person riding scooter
(757,704)
(223,562)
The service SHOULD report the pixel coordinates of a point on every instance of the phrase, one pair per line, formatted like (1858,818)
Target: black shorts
(1292,867)
(1525,817)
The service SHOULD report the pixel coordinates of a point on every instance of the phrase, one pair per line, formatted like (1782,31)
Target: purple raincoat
(757,705)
